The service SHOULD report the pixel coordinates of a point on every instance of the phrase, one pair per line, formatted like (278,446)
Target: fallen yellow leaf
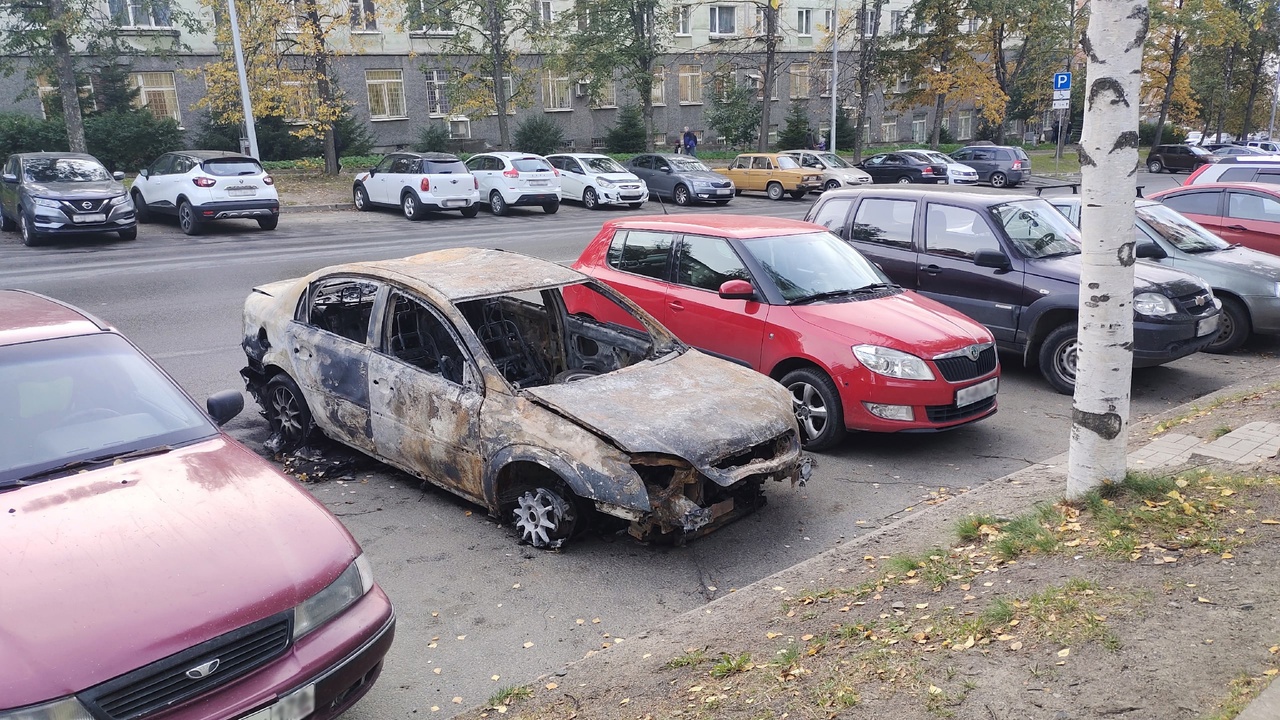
(1269,521)
(552,686)
(1206,601)
(921,606)
(457,701)
(806,637)
(969,642)
(625,701)
(1227,556)
(935,690)
(462,637)
(436,671)
(528,645)
(1015,645)
(695,688)
(1272,671)
(1064,652)
(772,635)
(595,621)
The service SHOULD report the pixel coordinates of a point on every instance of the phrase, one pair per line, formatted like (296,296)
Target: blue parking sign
(1062,81)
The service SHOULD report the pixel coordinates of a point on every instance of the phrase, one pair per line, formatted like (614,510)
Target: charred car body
(465,368)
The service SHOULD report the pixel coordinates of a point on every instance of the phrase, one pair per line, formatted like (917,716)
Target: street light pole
(245,102)
(835,72)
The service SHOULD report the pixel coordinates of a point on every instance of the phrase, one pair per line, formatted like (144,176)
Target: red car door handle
(931,269)
(675,305)
(1237,227)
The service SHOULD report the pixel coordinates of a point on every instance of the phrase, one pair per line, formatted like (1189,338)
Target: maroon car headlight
(65,709)
(337,596)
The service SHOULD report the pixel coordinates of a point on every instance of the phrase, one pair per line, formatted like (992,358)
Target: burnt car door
(328,342)
(953,236)
(425,394)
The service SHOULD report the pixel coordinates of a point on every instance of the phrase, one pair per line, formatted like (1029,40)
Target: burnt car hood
(108,570)
(71,190)
(907,321)
(1147,277)
(649,407)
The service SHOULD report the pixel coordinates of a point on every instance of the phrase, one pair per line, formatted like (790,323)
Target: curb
(316,208)
(1006,495)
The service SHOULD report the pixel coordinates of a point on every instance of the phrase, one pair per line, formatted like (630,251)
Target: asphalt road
(476,611)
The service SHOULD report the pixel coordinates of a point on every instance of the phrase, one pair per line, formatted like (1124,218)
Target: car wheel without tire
(1058,356)
(680,195)
(287,414)
(832,185)
(140,208)
(269,223)
(543,518)
(904,180)
(999,180)
(1155,166)
(497,204)
(361,197)
(1233,327)
(30,237)
(411,207)
(470,212)
(551,208)
(187,219)
(130,234)
(774,191)
(590,200)
(817,406)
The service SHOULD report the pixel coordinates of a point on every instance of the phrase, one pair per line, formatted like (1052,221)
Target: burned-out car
(469,369)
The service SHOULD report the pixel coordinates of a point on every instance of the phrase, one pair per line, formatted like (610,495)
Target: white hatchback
(199,186)
(597,180)
(418,183)
(512,179)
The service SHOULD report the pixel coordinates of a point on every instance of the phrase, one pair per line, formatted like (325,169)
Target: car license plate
(238,191)
(1207,325)
(539,183)
(976,393)
(294,706)
(723,191)
(454,203)
(90,218)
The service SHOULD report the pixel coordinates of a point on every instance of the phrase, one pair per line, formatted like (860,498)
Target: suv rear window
(530,165)
(444,167)
(1237,174)
(1020,154)
(231,167)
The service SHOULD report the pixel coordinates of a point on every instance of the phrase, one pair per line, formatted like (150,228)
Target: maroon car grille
(951,413)
(961,368)
(170,681)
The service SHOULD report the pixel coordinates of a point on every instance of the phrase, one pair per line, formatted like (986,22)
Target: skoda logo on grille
(972,352)
(204,670)
(86,204)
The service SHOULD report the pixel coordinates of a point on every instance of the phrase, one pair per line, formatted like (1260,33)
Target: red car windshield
(82,400)
(813,265)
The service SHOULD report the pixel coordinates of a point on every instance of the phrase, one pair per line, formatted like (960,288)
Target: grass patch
(689,659)
(1219,431)
(970,529)
(1198,411)
(1242,691)
(731,665)
(510,695)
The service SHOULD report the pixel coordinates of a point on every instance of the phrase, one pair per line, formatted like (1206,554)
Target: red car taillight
(1017,165)
(266,180)
(476,180)
(927,171)
(557,172)
(511,173)
(204,182)
(425,185)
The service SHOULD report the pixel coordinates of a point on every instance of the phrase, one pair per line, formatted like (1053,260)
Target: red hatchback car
(791,300)
(153,566)
(1244,213)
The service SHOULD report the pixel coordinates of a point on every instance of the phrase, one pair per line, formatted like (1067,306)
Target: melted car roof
(466,273)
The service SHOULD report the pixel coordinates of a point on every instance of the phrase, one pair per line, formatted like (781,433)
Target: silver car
(1246,281)
(682,178)
(957,172)
(836,171)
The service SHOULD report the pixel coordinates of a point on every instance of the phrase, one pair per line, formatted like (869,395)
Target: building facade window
(556,92)
(683,25)
(141,13)
(437,92)
(386,94)
(690,84)
(889,130)
(608,95)
(756,78)
(460,127)
(508,87)
(658,93)
(761,24)
(804,22)
(157,92)
(546,14)
(919,129)
(964,129)
(799,80)
(363,16)
(828,20)
(301,102)
(824,82)
(432,17)
(896,18)
(723,20)
(51,99)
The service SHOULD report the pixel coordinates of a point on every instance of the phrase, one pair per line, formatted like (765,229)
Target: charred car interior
(493,383)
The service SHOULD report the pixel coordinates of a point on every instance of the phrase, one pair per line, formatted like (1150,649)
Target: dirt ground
(299,187)
(1158,603)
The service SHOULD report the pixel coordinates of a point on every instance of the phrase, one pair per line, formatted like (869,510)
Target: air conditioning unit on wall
(582,88)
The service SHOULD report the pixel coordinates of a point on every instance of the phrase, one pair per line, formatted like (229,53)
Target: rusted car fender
(623,489)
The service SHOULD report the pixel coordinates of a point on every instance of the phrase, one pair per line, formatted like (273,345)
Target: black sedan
(901,167)
(51,194)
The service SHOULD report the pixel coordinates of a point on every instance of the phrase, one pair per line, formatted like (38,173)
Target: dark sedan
(47,194)
(901,167)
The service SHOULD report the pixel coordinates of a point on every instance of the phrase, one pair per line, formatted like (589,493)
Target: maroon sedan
(152,566)
(791,300)
(1244,213)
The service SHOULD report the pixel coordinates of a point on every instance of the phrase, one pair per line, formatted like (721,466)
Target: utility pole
(245,102)
(1275,95)
(770,47)
(835,74)
(1071,23)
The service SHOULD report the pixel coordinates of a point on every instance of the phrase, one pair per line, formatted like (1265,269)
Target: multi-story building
(397,82)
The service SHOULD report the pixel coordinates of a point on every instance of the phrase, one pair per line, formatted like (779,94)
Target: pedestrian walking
(690,142)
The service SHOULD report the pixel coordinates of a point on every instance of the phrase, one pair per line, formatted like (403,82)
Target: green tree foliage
(735,114)
(628,134)
(1024,41)
(798,133)
(624,38)
(539,135)
(278,140)
(126,139)
(22,133)
(433,137)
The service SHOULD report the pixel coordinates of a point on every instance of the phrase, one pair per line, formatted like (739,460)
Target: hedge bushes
(122,139)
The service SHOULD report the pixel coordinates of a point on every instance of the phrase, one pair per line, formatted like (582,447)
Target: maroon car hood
(908,321)
(106,571)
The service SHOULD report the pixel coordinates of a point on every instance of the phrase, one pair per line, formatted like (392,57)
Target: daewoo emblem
(86,204)
(204,670)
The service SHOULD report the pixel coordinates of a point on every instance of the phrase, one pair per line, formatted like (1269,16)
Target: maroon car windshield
(77,401)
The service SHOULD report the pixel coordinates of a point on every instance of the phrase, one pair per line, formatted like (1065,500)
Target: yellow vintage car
(774,173)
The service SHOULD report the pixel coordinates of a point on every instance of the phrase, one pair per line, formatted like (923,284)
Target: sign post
(1062,104)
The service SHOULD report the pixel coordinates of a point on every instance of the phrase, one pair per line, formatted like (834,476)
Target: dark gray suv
(49,194)
(999,165)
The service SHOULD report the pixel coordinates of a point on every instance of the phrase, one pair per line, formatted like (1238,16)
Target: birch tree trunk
(1108,162)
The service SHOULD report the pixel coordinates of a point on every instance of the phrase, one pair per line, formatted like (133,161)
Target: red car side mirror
(737,290)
